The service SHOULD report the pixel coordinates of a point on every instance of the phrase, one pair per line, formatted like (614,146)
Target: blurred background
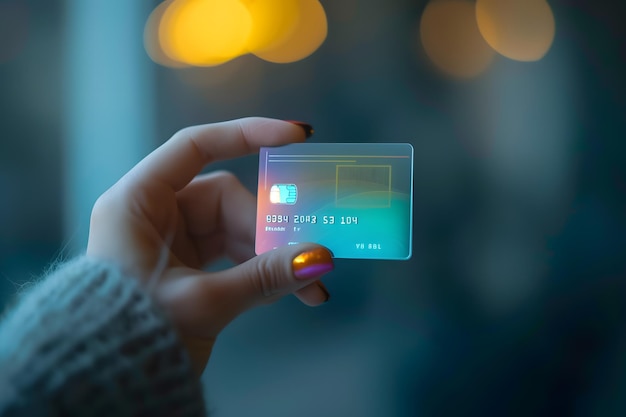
(514,300)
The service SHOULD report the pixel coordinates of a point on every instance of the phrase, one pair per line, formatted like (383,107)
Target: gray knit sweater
(88,341)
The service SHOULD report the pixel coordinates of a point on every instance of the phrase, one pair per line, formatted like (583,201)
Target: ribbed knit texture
(88,341)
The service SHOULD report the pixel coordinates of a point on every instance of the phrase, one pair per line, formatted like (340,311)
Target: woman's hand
(162,223)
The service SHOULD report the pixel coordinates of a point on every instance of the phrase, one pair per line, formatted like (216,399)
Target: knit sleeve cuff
(88,340)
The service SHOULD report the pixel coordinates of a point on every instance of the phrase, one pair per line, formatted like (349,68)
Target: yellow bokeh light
(518,29)
(309,34)
(204,32)
(451,39)
(182,33)
(273,22)
(151,37)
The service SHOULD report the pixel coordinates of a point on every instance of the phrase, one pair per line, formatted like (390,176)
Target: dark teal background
(514,301)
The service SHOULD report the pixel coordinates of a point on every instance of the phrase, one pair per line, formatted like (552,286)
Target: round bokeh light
(518,29)
(451,39)
(204,32)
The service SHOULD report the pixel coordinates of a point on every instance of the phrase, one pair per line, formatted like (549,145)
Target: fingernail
(308,129)
(312,264)
(324,290)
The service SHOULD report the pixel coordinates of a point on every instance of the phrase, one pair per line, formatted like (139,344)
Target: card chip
(284,194)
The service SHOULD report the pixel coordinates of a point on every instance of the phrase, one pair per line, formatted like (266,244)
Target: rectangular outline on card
(390,169)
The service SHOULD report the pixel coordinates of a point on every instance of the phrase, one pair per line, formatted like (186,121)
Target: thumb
(202,304)
(205,303)
(272,275)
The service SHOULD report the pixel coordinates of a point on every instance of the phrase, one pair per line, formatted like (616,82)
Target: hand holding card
(354,198)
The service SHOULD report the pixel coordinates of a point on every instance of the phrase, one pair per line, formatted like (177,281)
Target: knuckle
(111,201)
(228,178)
(102,205)
(184,132)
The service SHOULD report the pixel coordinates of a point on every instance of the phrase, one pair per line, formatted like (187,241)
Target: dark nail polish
(308,129)
(325,291)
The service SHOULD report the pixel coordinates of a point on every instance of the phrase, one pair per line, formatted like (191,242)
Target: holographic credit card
(354,198)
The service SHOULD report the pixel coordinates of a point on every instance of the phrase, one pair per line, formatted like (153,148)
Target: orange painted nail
(312,264)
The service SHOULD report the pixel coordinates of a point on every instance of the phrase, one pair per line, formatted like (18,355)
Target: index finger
(181,158)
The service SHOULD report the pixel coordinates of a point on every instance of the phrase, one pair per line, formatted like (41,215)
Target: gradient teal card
(354,198)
